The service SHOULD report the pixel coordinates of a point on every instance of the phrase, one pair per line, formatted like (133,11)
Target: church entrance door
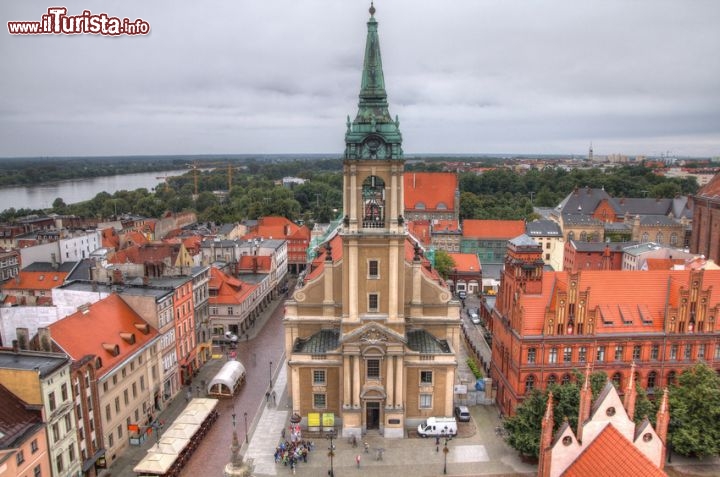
(372,415)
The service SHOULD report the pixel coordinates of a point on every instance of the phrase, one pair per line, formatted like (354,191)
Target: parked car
(462,413)
(474,318)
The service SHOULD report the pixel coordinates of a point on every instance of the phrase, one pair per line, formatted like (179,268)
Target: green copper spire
(373,134)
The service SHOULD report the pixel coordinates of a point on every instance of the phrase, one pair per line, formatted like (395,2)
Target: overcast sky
(280,76)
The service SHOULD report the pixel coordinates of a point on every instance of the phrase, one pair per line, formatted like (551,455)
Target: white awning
(228,376)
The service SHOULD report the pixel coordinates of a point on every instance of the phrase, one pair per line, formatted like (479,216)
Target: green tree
(524,427)
(695,413)
(444,263)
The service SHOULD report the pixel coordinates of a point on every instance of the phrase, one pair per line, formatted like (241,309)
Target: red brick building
(547,324)
(580,255)
(705,237)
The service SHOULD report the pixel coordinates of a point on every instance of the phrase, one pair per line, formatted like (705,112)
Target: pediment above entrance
(370,391)
(373,334)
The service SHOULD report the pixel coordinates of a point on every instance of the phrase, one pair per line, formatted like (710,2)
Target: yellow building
(371,332)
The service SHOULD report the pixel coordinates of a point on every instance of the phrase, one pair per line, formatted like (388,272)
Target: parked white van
(438,426)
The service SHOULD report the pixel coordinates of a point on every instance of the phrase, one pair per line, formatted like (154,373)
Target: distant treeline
(224,191)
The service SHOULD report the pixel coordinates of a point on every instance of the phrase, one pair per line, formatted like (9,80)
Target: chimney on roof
(44,339)
(15,346)
(23,338)
(117,277)
(143,327)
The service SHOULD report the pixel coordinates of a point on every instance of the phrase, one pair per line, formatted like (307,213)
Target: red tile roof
(226,289)
(134,238)
(99,329)
(466,262)
(35,281)
(16,419)
(493,229)
(663,263)
(278,228)
(420,229)
(110,238)
(255,263)
(711,189)
(430,189)
(614,294)
(610,454)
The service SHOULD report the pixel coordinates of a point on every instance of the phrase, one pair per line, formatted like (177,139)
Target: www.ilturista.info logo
(58,22)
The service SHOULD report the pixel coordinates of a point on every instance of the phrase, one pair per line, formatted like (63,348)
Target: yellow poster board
(328,419)
(314,419)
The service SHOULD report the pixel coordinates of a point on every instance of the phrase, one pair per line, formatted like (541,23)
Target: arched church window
(529,383)
(645,237)
(583,236)
(673,239)
(617,380)
(373,197)
(566,378)
(659,238)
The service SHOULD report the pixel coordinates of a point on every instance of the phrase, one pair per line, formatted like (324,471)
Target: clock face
(374,148)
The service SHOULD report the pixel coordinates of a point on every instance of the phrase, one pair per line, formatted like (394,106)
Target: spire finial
(372,9)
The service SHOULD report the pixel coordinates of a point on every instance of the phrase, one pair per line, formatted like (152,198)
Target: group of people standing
(290,453)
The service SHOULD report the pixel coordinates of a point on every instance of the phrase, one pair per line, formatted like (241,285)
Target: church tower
(372,330)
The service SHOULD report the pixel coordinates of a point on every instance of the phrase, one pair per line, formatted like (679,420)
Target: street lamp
(331,452)
(246,434)
(270,374)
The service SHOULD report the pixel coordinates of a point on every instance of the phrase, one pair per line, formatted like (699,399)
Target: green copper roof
(373,134)
(319,343)
(425,343)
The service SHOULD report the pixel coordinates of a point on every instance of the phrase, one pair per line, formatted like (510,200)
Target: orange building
(547,324)
(431,196)
(280,228)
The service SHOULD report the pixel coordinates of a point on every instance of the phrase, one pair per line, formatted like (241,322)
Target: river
(42,196)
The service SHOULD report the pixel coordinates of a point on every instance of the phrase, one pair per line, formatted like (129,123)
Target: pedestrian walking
(267,396)
(188,395)
(357,460)
(367,447)
(437,444)
(273,396)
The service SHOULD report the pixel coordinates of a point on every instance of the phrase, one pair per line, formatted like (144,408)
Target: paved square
(475,453)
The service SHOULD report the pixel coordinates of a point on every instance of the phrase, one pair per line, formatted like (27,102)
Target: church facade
(372,331)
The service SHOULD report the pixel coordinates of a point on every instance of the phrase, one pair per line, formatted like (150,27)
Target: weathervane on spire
(372,9)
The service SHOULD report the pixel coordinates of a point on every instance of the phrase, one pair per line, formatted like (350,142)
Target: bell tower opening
(373,195)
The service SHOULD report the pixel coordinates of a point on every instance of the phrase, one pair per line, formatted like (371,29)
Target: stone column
(346,382)
(356,381)
(390,382)
(353,197)
(399,386)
